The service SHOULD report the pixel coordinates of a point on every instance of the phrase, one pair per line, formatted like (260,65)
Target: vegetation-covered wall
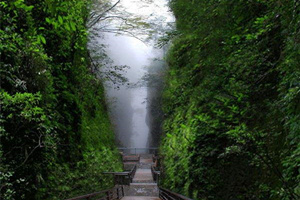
(56,136)
(232,101)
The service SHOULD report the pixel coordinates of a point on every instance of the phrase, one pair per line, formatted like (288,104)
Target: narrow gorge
(149,99)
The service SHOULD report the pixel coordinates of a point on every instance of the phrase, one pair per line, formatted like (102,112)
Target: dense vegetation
(56,137)
(232,101)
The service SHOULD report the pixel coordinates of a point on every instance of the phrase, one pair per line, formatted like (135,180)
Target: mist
(134,106)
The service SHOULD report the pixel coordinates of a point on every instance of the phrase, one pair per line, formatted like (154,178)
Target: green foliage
(232,101)
(25,132)
(56,137)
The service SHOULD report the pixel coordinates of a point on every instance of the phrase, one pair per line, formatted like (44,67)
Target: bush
(232,101)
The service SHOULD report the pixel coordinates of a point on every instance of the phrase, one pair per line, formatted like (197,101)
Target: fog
(131,105)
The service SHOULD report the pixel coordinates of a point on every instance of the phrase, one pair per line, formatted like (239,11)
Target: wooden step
(131,158)
(142,189)
(143,176)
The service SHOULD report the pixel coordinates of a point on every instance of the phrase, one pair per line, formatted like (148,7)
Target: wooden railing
(154,158)
(149,150)
(123,178)
(111,194)
(134,158)
(165,194)
(155,174)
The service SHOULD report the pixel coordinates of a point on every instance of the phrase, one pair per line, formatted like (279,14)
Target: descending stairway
(136,183)
(143,185)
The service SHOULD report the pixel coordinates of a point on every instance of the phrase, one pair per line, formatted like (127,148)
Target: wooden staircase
(138,182)
(143,185)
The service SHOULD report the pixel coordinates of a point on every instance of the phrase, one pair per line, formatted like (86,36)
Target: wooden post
(159,193)
(118,196)
(108,195)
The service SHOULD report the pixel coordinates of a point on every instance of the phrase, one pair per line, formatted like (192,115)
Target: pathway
(142,187)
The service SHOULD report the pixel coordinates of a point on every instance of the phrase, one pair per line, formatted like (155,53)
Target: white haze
(128,106)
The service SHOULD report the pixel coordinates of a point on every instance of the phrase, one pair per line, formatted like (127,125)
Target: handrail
(154,158)
(132,173)
(111,194)
(155,174)
(134,150)
(169,195)
(123,178)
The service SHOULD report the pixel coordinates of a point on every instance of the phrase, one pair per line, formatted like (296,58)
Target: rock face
(143,185)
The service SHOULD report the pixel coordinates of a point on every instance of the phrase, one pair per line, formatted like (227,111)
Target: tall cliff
(231,103)
(56,137)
